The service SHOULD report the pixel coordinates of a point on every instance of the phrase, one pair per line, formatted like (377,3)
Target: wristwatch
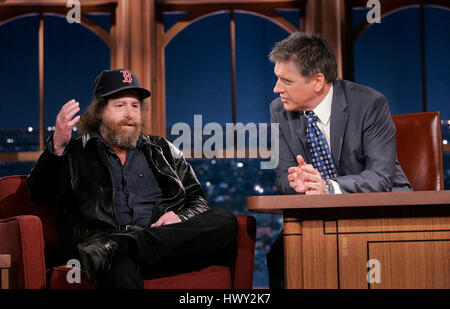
(329,189)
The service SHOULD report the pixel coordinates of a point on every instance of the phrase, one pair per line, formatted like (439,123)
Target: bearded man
(130,202)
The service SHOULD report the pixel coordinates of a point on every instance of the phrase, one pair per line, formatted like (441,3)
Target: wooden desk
(329,239)
(5,264)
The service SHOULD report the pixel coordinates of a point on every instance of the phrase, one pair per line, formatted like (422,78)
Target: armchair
(419,149)
(29,234)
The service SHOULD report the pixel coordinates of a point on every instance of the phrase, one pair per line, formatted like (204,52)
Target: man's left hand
(167,218)
(313,180)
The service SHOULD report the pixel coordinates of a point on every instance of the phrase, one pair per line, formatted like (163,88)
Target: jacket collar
(338,123)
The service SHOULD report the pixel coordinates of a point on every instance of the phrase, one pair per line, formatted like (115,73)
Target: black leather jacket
(80,183)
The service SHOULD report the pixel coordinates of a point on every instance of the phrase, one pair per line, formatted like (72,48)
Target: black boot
(96,256)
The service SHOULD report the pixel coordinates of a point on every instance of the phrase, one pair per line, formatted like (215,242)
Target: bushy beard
(119,136)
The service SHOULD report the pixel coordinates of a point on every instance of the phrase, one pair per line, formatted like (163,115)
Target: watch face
(329,187)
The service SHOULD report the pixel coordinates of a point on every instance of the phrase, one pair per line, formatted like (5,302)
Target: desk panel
(328,242)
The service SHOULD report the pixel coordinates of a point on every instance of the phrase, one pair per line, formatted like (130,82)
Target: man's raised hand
(65,122)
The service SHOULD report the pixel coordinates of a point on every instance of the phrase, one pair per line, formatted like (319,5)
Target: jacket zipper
(105,163)
(172,178)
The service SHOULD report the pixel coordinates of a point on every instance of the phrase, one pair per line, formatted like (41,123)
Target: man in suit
(335,136)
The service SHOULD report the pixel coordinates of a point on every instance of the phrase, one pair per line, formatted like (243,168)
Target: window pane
(447,170)
(171,18)
(359,15)
(101,19)
(198,79)
(437,45)
(19,85)
(74,56)
(15,168)
(292,15)
(387,58)
(446,140)
(255,38)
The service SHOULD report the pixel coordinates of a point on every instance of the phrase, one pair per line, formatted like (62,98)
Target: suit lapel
(297,125)
(339,115)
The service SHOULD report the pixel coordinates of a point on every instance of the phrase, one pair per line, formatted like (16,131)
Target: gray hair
(311,53)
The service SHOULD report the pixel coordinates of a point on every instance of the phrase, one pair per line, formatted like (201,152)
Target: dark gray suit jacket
(362,137)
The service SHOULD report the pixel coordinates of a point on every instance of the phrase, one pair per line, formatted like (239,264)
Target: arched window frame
(9,12)
(388,8)
(197,11)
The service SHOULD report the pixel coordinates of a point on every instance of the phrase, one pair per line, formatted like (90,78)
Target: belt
(128,227)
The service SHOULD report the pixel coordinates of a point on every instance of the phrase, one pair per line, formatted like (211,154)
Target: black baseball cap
(112,81)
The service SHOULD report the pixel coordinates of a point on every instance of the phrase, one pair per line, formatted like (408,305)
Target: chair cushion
(22,238)
(215,276)
(58,279)
(15,201)
(218,277)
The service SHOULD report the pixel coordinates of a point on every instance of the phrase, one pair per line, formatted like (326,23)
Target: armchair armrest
(21,237)
(5,264)
(242,270)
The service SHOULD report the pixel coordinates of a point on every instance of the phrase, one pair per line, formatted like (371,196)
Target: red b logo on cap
(126,76)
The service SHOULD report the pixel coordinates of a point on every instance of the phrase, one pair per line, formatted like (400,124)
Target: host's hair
(311,53)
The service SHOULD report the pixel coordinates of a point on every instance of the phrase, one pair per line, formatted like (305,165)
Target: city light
(9,140)
(445,142)
(259,189)
(30,129)
(208,184)
(240,164)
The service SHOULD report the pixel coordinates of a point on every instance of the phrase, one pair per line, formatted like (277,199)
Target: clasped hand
(166,219)
(304,178)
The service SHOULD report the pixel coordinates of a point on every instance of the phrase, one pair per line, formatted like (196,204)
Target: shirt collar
(323,110)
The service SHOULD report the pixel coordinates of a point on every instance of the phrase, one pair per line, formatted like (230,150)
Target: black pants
(209,237)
